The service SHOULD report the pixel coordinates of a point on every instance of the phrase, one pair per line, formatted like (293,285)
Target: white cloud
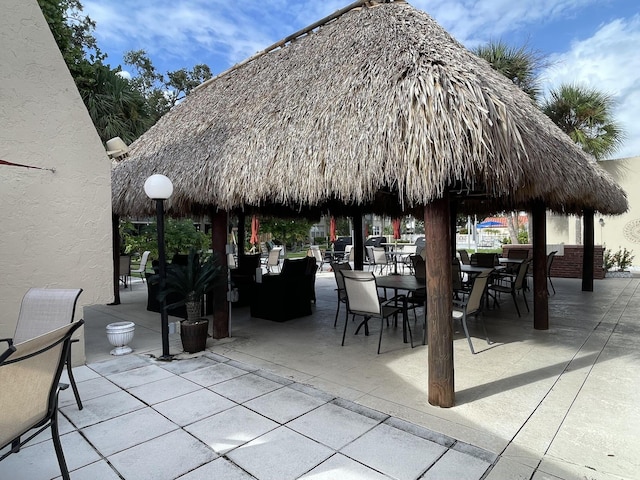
(473,22)
(608,61)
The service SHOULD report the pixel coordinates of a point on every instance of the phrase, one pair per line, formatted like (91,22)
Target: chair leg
(335,321)
(554,288)
(57,445)
(466,332)
(72,380)
(526,304)
(344,333)
(515,302)
(380,337)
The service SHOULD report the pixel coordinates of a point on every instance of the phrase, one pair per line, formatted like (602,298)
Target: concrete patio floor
(285,400)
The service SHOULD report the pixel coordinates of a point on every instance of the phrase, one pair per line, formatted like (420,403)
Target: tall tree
(586,115)
(163,91)
(522,66)
(116,108)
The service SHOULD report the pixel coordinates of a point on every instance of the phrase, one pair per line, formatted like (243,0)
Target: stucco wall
(56,227)
(621,231)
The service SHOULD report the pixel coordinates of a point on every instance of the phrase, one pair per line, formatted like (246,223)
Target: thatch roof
(378,106)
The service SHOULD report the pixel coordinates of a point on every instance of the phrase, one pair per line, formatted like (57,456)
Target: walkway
(284,400)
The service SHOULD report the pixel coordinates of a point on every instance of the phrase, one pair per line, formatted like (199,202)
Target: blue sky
(591,42)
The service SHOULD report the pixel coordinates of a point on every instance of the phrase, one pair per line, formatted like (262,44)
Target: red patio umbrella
(255,227)
(332,230)
(396,228)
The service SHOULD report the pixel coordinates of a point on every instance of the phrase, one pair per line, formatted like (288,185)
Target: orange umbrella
(396,228)
(332,230)
(255,227)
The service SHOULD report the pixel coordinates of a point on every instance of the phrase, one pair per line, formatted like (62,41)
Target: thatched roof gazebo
(373,109)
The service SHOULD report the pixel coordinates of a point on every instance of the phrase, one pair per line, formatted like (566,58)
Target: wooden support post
(358,243)
(439,302)
(220,304)
(115,250)
(540,292)
(588,252)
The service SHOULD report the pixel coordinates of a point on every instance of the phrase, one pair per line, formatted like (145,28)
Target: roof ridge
(304,31)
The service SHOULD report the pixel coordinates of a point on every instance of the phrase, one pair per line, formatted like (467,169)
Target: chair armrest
(395,299)
(459,303)
(7,352)
(8,340)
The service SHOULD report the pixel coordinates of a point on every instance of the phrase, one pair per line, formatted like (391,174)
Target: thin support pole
(540,292)
(162,267)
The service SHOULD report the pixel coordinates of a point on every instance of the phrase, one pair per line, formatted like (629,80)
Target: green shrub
(622,259)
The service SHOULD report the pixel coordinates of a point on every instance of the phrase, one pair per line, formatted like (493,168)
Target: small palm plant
(191,282)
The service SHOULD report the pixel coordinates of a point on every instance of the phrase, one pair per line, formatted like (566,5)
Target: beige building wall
(617,232)
(56,226)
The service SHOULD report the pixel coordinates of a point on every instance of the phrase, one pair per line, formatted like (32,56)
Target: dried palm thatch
(376,107)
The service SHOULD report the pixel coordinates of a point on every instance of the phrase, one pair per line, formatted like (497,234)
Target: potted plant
(190,282)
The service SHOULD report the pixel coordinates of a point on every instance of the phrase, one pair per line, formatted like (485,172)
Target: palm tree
(520,65)
(585,114)
(116,108)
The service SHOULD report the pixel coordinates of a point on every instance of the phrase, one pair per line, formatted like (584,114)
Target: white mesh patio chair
(363,300)
(273,260)
(30,374)
(472,305)
(44,309)
(317,254)
(143,265)
(342,294)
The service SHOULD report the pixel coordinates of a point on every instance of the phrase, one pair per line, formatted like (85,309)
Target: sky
(589,42)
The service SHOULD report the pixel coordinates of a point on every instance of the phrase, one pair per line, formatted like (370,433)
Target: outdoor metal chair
(342,295)
(125,269)
(515,284)
(462,309)
(317,254)
(363,300)
(29,374)
(273,260)
(142,268)
(42,310)
(550,258)
(464,257)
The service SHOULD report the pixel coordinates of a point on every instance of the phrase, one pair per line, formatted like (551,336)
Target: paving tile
(127,430)
(39,461)
(394,452)
(339,467)
(88,389)
(281,454)
(163,458)
(120,364)
(245,387)
(80,373)
(165,389)
(214,374)
(193,406)
(102,408)
(332,425)
(139,376)
(457,465)
(220,468)
(231,428)
(283,405)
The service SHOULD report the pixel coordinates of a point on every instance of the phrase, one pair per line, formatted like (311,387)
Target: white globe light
(158,187)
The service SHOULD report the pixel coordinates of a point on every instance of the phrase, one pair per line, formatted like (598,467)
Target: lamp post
(159,188)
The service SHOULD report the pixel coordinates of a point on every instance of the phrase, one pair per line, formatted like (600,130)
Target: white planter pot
(119,335)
